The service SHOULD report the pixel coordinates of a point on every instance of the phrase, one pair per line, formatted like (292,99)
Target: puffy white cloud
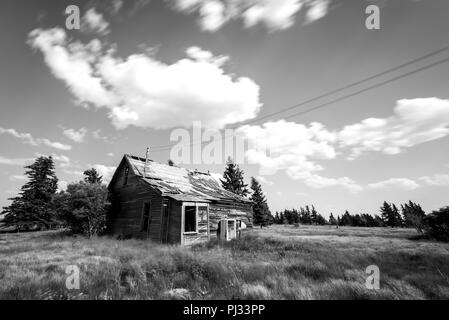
(274,14)
(94,22)
(29,139)
(415,121)
(440,180)
(76,135)
(145,92)
(397,183)
(106,171)
(294,148)
(288,146)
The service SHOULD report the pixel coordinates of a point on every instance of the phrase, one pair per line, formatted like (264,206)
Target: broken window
(190,219)
(146,219)
(126,176)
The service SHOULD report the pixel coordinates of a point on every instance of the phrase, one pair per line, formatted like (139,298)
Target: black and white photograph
(250,151)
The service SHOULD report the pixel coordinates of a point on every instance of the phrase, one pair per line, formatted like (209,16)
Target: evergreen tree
(170,162)
(261,212)
(314,216)
(413,216)
(332,220)
(92,176)
(387,214)
(31,209)
(233,179)
(346,219)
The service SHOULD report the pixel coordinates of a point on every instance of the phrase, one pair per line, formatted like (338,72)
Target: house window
(190,219)
(126,176)
(146,219)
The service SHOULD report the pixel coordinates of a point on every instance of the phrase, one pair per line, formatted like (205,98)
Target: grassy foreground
(282,262)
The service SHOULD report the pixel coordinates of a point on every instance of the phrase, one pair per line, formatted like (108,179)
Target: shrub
(83,208)
(436,224)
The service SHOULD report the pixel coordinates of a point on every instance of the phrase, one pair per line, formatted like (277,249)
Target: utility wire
(167,147)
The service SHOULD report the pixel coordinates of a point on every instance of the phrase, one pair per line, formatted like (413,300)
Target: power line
(370,88)
(167,147)
(324,95)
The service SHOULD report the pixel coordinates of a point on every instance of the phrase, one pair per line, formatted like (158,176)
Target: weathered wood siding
(173,225)
(166,225)
(202,234)
(218,211)
(128,203)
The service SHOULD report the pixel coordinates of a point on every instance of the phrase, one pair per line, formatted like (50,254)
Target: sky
(136,72)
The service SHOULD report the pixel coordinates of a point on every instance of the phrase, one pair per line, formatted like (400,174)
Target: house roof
(180,183)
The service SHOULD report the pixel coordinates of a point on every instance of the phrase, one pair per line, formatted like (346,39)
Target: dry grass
(282,262)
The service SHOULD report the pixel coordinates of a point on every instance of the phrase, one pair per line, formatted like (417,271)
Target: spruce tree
(233,179)
(32,208)
(261,212)
(413,216)
(390,215)
(92,176)
(332,220)
(314,216)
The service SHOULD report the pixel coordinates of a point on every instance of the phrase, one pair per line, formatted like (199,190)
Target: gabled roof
(180,183)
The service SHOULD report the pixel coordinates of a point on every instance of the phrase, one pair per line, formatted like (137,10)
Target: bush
(436,224)
(83,208)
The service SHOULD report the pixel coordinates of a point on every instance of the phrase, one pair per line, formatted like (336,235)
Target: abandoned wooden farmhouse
(169,204)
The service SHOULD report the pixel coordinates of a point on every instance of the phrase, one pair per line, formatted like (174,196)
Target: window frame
(183,220)
(125,182)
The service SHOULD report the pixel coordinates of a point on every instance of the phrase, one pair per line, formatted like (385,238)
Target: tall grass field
(279,262)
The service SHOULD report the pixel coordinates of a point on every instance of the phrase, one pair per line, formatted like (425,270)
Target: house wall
(218,211)
(128,203)
(173,225)
(229,210)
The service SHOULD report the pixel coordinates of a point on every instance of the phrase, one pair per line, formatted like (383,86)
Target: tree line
(410,215)
(84,205)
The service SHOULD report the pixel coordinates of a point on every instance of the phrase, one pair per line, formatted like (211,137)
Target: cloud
(29,139)
(274,14)
(289,146)
(415,121)
(76,135)
(116,5)
(294,148)
(93,22)
(106,171)
(15,162)
(319,182)
(64,160)
(439,180)
(396,183)
(148,93)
